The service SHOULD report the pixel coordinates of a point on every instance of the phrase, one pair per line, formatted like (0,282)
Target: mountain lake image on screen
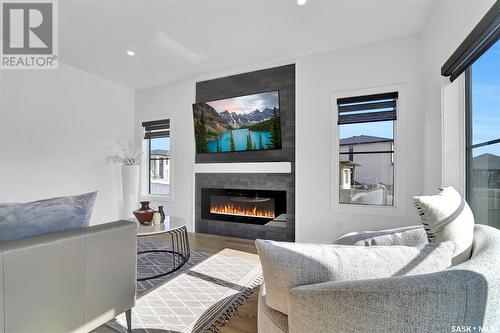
(243,123)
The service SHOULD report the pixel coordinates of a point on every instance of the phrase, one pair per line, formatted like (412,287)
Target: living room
(250,166)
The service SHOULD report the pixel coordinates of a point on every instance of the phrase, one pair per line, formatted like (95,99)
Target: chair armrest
(111,272)
(288,265)
(420,303)
(68,281)
(406,236)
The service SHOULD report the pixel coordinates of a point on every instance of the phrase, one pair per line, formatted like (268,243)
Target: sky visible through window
(383,129)
(486,100)
(160,143)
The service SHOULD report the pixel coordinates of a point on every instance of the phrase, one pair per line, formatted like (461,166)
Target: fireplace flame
(230,209)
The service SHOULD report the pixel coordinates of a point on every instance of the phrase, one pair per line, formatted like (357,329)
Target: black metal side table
(179,251)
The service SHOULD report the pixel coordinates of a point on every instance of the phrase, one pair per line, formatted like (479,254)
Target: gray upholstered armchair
(464,295)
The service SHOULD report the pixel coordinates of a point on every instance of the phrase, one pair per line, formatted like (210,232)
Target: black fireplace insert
(243,206)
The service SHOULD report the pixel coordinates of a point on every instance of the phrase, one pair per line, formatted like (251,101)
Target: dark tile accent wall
(279,78)
(254,181)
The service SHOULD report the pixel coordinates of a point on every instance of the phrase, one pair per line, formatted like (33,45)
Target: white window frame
(400,188)
(453,129)
(144,174)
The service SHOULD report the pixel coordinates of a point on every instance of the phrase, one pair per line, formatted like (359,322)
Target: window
(158,135)
(479,57)
(483,136)
(366,147)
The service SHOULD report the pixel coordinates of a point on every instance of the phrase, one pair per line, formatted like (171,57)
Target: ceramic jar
(144,214)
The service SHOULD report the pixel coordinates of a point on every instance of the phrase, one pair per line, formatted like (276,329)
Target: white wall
(388,63)
(393,62)
(319,77)
(173,101)
(448,24)
(1,139)
(58,128)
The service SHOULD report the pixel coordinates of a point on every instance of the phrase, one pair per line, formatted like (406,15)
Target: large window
(366,149)
(483,136)
(158,135)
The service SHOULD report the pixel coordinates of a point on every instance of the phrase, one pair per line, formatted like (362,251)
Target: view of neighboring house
(485,187)
(159,171)
(370,170)
(486,171)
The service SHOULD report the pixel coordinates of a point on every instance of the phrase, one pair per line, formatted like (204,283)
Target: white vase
(130,185)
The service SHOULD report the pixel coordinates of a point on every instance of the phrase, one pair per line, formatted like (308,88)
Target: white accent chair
(71,281)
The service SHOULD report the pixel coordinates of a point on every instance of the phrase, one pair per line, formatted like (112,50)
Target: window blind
(368,108)
(481,38)
(156,129)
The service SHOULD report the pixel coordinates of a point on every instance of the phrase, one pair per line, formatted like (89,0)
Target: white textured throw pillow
(287,265)
(447,217)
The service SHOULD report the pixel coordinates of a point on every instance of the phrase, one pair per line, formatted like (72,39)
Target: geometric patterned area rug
(200,297)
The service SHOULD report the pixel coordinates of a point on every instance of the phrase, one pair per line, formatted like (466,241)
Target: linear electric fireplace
(243,206)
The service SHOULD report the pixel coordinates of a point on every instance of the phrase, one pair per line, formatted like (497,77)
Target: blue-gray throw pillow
(21,220)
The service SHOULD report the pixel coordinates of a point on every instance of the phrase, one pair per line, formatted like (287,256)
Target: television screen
(243,123)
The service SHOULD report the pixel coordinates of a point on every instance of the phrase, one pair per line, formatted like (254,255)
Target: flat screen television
(242,123)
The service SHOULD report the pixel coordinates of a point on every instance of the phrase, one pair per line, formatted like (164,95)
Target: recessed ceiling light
(301,2)
(131,53)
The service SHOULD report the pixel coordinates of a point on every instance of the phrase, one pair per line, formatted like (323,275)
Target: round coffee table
(179,252)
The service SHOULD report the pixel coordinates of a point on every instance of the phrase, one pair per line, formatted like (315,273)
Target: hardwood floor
(215,243)
(245,319)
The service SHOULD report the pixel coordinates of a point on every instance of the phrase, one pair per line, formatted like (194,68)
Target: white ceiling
(174,39)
